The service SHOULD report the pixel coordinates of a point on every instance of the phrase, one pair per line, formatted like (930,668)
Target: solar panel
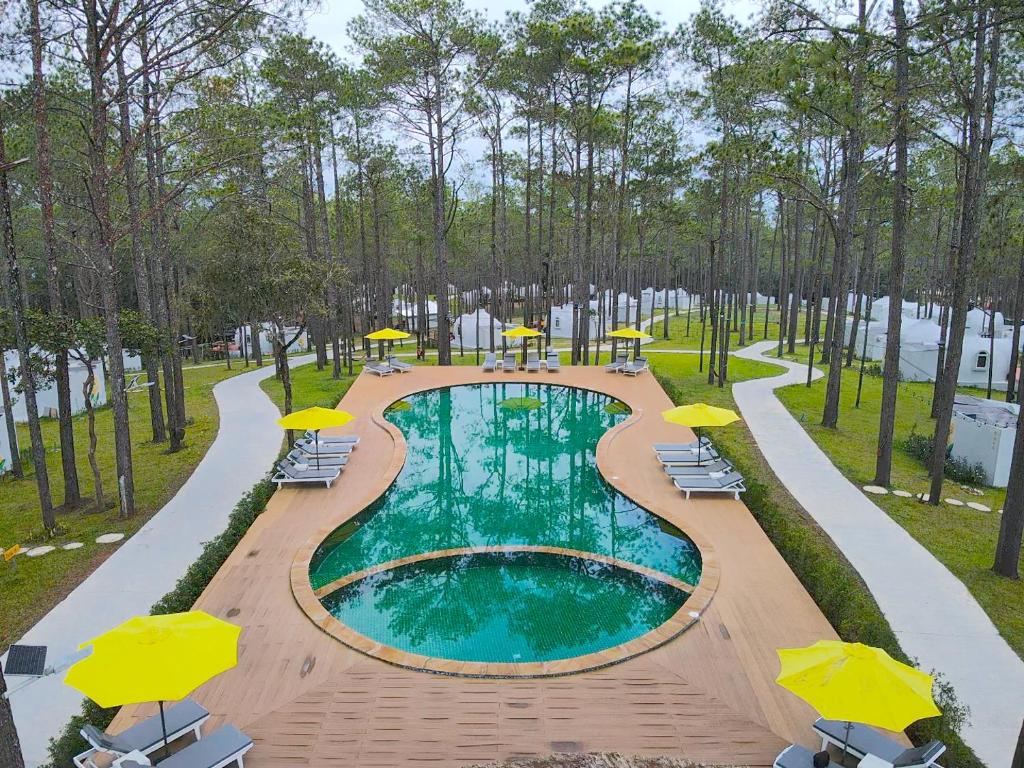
(29,660)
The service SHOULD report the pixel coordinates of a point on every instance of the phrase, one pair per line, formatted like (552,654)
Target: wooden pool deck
(708,695)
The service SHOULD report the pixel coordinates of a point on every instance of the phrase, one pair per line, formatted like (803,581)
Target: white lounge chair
(397,365)
(729,482)
(146,737)
(680,447)
(554,363)
(352,440)
(288,472)
(490,362)
(309,448)
(323,461)
(618,363)
(696,470)
(532,363)
(688,458)
(862,740)
(381,369)
(639,365)
(508,364)
(225,746)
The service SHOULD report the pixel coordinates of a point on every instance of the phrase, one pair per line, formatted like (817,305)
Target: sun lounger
(681,447)
(352,440)
(796,756)
(532,363)
(288,472)
(694,470)
(144,738)
(730,482)
(490,362)
(915,757)
(864,740)
(688,458)
(325,460)
(225,746)
(398,365)
(509,363)
(618,363)
(554,363)
(639,365)
(309,448)
(381,369)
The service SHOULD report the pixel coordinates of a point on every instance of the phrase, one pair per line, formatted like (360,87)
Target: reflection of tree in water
(479,474)
(505,607)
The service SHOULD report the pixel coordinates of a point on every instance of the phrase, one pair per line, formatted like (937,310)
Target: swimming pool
(499,541)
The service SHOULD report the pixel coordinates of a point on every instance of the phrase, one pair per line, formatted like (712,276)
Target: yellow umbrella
(315,419)
(524,333)
(155,658)
(387,334)
(629,333)
(858,684)
(699,415)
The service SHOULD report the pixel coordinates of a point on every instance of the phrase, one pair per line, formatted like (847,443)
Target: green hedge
(836,587)
(181,598)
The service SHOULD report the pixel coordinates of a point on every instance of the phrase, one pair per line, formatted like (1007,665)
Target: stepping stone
(38,551)
(923,496)
(902,494)
(109,538)
(978,506)
(1000,511)
(72,545)
(877,490)
(954,502)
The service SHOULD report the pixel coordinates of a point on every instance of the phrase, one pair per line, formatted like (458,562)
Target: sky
(329,23)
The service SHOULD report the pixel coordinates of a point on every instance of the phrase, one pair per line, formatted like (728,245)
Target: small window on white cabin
(981,361)
(558,322)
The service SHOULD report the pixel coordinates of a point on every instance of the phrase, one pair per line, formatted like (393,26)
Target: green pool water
(504,464)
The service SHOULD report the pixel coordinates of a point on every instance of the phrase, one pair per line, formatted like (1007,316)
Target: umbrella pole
(698,447)
(316,446)
(846,740)
(163,726)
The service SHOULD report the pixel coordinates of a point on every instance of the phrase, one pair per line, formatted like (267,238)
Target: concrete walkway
(149,564)
(936,619)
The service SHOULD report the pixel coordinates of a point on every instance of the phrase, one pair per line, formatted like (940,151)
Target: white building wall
(984,444)
(46,399)
(6,454)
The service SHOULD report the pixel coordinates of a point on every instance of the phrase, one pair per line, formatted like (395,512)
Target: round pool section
(505,607)
(509,466)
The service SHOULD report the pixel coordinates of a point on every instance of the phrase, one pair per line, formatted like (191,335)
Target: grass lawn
(962,539)
(679,339)
(29,587)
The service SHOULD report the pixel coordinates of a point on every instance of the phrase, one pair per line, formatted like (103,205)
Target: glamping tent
(560,321)
(407,313)
(6,452)
(983,433)
(473,330)
(266,347)
(46,396)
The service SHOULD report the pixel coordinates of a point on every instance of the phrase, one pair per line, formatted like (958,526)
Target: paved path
(148,565)
(936,619)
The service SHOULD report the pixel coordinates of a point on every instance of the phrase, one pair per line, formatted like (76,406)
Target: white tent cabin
(919,361)
(473,330)
(266,334)
(983,433)
(406,314)
(46,394)
(6,450)
(560,321)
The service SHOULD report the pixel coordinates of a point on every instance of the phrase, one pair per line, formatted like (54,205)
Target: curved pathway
(149,564)
(936,619)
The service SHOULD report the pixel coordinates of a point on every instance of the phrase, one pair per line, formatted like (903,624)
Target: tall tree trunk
(440,223)
(980,116)
(72,493)
(1011,526)
(897,261)
(15,300)
(1012,391)
(10,746)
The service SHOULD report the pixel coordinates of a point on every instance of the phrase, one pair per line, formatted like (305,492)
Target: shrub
(184,595)
(956,469)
